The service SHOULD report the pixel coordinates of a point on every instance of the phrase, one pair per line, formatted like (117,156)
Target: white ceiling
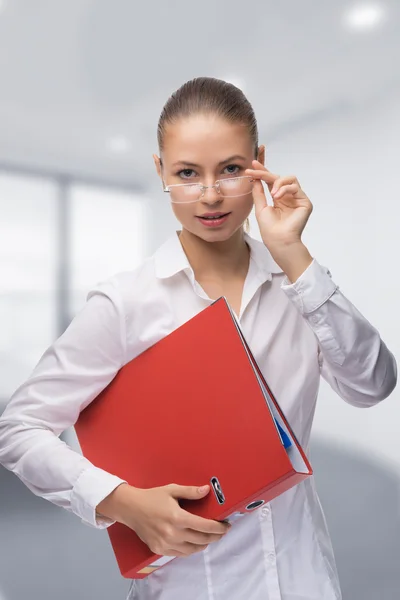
(76,73)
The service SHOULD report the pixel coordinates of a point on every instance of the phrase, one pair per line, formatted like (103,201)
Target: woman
(296,321)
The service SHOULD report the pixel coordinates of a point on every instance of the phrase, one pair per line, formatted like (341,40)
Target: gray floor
(47,554)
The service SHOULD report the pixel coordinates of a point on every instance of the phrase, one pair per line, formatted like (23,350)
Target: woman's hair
(206,95)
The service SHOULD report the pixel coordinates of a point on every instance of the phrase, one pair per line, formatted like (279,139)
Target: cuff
(312,289)
(91,487)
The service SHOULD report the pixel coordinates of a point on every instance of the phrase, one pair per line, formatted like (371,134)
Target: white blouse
(296,332)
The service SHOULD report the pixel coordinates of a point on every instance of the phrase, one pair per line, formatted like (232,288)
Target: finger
(269,177)
(259,197)
(209,526)
(257,165)
(258,175)
(266,176)
(293,188)
(289,179)
(171,552)
(201,539)
(186,549)
(188,492)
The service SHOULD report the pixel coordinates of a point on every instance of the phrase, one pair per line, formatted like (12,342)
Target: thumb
(188,492)
(259,197)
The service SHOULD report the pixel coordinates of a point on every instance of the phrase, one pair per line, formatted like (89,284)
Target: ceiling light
(119,144)
(364,16)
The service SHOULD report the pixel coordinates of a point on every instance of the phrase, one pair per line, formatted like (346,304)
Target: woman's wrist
(111,506)
(293,259)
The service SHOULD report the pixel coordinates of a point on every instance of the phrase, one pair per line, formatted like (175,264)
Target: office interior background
(82,85)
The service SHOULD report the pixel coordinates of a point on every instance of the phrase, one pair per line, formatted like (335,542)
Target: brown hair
(208,95)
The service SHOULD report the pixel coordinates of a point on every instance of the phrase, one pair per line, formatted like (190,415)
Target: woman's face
(203,149)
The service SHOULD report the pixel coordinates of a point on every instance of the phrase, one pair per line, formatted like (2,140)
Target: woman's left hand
(282,224)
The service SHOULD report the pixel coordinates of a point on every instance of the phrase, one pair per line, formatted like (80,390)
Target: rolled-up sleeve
(70,374)
(353,358)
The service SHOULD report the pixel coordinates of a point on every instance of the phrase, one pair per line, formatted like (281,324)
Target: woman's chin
(216,235)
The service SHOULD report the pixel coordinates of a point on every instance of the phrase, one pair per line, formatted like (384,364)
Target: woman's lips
(213,219)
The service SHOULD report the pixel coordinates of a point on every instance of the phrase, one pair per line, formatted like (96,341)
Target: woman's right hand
(157,518)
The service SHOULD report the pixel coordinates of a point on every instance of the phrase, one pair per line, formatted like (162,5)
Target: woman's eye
(232,169)
(185,173)
(190,173)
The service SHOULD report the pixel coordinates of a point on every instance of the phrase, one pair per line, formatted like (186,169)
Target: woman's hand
(282,224)
(157,518)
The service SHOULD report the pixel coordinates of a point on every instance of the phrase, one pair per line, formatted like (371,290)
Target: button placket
(267,532)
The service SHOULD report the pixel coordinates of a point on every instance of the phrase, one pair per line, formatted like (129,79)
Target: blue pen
(285,438)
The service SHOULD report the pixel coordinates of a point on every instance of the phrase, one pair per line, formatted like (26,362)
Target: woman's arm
(70,374)
(353,358)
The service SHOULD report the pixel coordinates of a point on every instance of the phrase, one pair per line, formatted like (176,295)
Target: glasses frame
(203,188)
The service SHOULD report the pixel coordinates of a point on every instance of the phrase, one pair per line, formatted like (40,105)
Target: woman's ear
(261,155)
(157,162)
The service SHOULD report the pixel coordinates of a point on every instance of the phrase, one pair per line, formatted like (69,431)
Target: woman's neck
(221,260)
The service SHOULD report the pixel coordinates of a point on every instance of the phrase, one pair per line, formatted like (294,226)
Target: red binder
(192,409)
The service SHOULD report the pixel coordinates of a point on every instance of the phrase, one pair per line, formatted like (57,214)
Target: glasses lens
(185,193)
(236,186)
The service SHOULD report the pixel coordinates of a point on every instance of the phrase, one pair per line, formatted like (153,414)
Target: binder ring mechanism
(220,496)
(216,486)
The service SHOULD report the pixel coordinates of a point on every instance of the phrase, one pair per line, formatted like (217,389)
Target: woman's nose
(211,195)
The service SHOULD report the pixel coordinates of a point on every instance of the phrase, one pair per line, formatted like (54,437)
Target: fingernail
(204,488)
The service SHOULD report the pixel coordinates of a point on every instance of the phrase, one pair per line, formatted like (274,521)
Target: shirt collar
(262,257)
(171,259)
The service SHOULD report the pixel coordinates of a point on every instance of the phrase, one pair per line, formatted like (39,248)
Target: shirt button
(265,511)
(271,558)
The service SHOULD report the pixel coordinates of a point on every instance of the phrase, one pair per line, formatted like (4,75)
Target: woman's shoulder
(130,290)
(128,282)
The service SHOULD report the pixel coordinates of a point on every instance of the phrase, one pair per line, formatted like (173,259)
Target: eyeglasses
(182,193)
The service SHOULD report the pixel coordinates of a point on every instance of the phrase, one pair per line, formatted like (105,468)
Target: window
(107,236)
(28,256)
(105,233)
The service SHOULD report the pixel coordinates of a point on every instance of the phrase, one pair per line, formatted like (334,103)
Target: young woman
(296,321)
